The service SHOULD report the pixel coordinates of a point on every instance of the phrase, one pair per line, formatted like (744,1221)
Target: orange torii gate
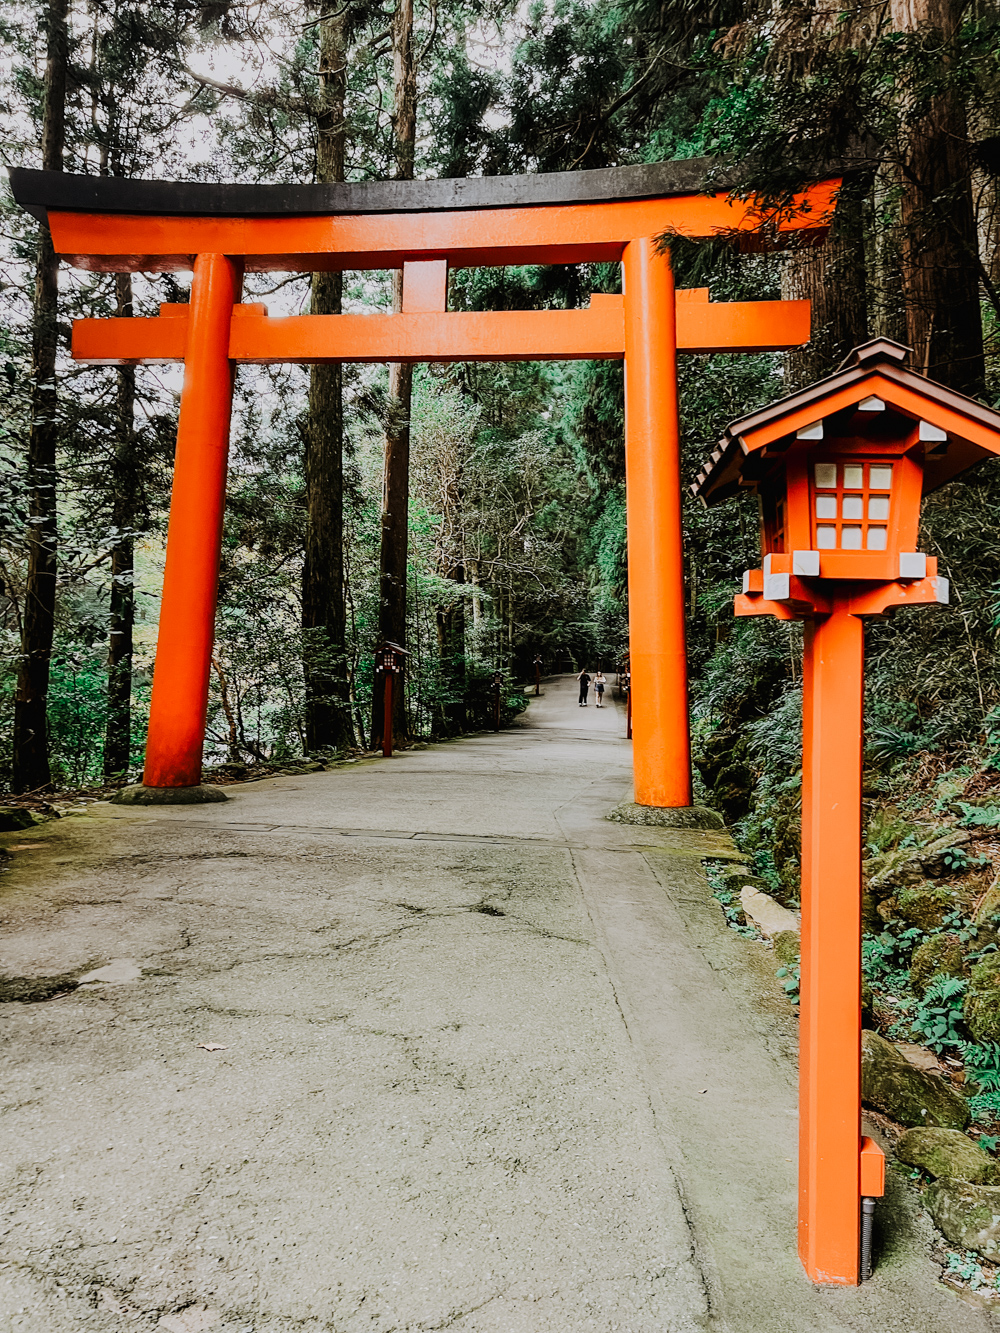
(425,228)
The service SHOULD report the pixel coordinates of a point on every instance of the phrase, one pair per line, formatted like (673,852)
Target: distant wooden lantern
(390,659)
(839,469)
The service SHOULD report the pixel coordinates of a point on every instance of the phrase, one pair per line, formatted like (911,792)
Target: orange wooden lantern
(839,469)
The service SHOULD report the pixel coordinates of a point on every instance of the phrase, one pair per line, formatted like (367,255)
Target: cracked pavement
(414,1044)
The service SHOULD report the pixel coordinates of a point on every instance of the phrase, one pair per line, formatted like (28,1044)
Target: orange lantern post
(839,469)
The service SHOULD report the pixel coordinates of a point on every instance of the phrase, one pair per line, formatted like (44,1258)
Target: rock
(867,1004)
(925,906)
(981,1007)
(787,947)
(119,972)
(871,922)
(888,909)
(921,1056)
(734,878)
(940,955)
(901,866)
(767,915)
(903,1092)
(683,817)
(948,789)
(945,1152)
(12,818)
(969,1215)
(140,795)
(989,907)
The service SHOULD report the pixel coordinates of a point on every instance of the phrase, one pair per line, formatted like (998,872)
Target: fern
(939,1014)
(982,1064)
(979,816)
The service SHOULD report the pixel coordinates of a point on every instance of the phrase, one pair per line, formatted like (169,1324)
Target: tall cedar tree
(324,619)
(125,490)
(396,480)
(31,770)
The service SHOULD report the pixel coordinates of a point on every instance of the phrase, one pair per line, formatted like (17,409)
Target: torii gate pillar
(658,662)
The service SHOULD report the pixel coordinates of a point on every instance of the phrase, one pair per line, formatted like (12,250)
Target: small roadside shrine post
(389,663)
(425,228)
(839,469)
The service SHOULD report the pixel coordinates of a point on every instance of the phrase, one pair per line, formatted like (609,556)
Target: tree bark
(124,491)
(324,619)
(939,245)
(396,476)
(832,277)
(31,752)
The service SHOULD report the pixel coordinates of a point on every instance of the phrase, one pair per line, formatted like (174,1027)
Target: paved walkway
(485,1062)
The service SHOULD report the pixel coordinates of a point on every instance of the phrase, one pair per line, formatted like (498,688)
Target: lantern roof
(874,378)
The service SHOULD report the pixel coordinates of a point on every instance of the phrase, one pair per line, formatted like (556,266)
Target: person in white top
(600,680)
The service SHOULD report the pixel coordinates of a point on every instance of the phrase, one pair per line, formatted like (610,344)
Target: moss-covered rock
(888,909)
(905,1093)
(989,905)
(946,1152)
(982,999)
(13,818)
(969,1215)
(867,1004)
(734,878)
(940,955)
(787,946)
(871,922)
(925,905)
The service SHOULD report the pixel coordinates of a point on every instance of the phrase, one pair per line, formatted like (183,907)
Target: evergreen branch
(296,105)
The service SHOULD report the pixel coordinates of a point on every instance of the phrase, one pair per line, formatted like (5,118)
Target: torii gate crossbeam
(426,227)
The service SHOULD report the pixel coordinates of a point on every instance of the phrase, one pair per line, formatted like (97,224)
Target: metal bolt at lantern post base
(389,664)
(839,469)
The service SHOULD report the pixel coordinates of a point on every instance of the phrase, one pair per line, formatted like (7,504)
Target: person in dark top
(584,679)
(600,680)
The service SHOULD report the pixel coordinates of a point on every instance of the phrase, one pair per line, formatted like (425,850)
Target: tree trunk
(888,307)
(31,757)
(324,620)
(832,277)
(940,260)
(451,648)
(124,489)
(396,481)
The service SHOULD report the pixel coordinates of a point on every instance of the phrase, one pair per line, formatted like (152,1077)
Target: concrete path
(411,1045)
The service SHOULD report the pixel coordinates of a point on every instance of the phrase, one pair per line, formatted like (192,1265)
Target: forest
(514,539)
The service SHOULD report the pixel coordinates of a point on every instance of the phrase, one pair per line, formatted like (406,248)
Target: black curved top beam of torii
(38,191)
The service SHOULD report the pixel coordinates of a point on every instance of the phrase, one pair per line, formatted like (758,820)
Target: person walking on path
(600,680)
(584,679)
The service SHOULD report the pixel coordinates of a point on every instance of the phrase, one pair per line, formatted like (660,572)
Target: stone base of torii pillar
(140,795)
(684,816)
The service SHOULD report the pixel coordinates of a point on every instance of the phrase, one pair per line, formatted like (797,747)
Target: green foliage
(968,1267)
(885,958)
(790,977)
(938,1017)
(974,816)
(888,743)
